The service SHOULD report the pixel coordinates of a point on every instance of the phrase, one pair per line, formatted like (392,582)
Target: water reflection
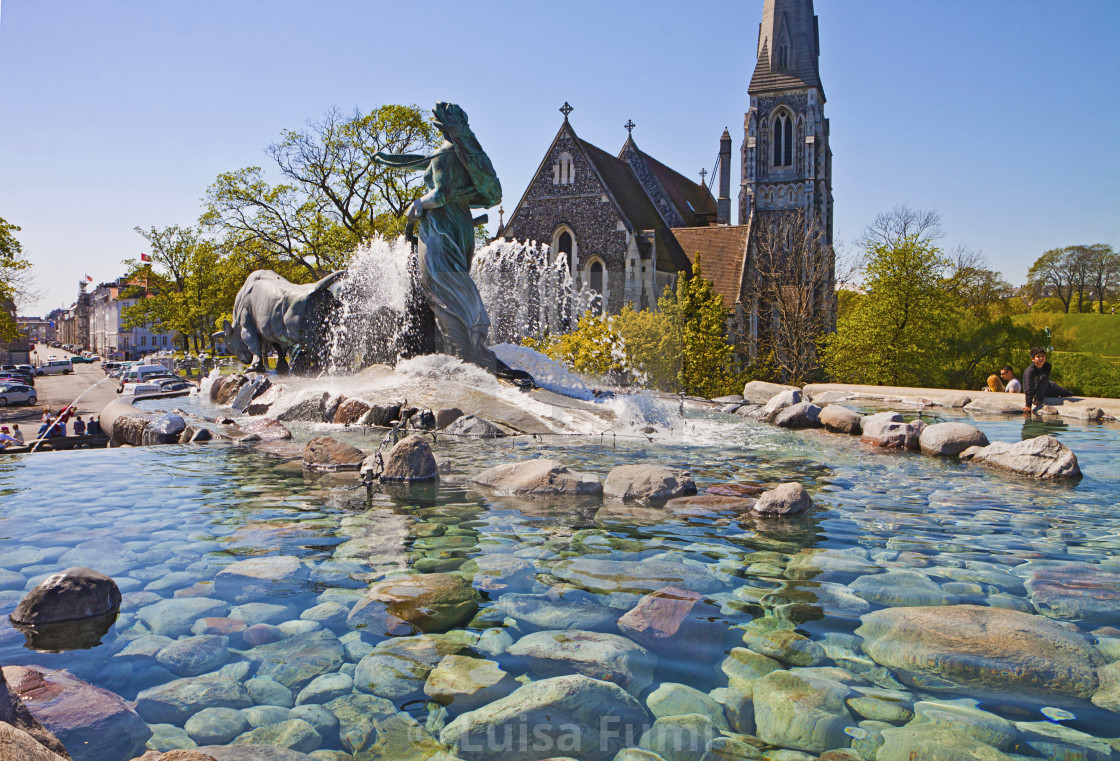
(1035,426)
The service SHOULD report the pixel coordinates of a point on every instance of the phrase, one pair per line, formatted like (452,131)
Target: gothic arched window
(783,56)
(564,245)
(596,279)
(783,141)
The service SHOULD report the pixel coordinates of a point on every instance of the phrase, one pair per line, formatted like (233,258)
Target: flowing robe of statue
(458,176)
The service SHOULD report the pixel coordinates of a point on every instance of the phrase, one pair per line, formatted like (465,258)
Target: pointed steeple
(788,48)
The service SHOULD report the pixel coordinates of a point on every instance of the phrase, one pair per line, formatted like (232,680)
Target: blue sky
(1000,114)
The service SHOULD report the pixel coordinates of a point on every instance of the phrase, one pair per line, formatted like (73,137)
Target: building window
(165,340)
(783,56)
(564,245)
(596,278)
(783,141)
(143,340)
(563,172)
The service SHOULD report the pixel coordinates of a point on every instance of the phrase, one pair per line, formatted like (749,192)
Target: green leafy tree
(332,195)
(697,317)
(896,335)
(593,348)
(652,346)
(14,271)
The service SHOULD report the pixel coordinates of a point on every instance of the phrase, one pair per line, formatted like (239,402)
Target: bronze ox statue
(272,313)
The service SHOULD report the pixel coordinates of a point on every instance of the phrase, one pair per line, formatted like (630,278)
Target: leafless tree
(891,227)
(793,274)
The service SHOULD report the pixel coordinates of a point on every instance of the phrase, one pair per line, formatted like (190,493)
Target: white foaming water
(527,291)
(373,299)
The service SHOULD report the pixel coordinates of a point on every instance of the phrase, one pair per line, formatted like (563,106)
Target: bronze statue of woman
(458,176)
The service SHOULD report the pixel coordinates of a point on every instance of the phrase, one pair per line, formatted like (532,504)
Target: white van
(54,367)
(140,373)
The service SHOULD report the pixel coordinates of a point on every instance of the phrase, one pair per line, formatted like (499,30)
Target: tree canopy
(332,195)
(14,270)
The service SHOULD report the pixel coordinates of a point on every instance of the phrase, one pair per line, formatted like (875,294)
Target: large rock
(604,656)
(886,430)
(499,573)
(426,602)
(175,702)
(465,684)
(80,715)
(541,478)
(266,429)
(224,388)
(760,392)
(173,617)
(257,384)
(801,711)
(840,419)
(1040,457)
(784,499)
(648,484)
(381,415)
(14,715)
(575,715)
(327,454)
(778,403)
(672,619)
(196,655)
(472,427)
(350,411)
(983,651)
(17,745)
(800,415)
(294,734)
(950,439)
(165,429)
(71,595)
(554,611)
(411,459)
(398,668)
(216,726)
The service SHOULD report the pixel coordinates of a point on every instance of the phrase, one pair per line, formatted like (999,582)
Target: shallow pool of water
(164,522)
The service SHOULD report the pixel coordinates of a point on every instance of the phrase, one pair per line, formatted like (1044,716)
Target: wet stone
(777,639)
(215,726)
(418,602)
(606,576)
(325,688)
(541,612)
(679,738)
(263,715)
(648,484)
(174,617)
(297,660)
(262,634)
(176,701)
(1076,592)
(267,691)
(801,712)
(465,684)
(294,734)
(902,588)
(603,656)
(672,699)
(71,595)
(195,655)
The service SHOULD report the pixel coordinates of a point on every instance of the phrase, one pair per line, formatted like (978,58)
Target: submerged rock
(544,612)
(673,618)
(801,711)
(840,419)
(465,684)
(988,651)
(71,595)
(604,656)
(426,602)
(648,484)
(295,661)
(950,439)
(597,574)
(579,716)
(175,702)
(80,715)
(539,478)
(1040,457)
(1076,592)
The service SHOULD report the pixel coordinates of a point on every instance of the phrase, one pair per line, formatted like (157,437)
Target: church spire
(788,48)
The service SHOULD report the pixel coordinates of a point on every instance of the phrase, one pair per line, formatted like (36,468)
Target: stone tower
(786,159)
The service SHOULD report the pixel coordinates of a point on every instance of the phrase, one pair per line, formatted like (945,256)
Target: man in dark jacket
(1036,381)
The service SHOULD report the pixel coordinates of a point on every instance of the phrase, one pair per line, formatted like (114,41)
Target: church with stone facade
(628,224)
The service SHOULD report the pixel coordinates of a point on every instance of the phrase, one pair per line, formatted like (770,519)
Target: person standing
(79,426)
(1036,378)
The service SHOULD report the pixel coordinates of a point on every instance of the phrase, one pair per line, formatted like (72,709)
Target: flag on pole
(145,258)
(89,279)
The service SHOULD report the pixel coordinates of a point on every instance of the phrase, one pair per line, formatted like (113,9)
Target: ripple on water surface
(240,575)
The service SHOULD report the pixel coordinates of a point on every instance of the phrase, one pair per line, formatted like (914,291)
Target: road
(61,390)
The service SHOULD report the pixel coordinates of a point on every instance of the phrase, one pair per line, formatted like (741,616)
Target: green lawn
(1090,333)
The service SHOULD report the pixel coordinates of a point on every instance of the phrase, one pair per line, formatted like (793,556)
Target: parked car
(17,393)
(54,367)
(16,376)
(78,359)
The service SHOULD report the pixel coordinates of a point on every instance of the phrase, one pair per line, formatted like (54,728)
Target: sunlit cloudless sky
(1002,114)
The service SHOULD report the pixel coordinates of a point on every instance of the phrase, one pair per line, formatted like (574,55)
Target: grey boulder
(539,478)
(800,415)
(839,419)
(950,439)
(784,499)
(760,392)
(1041,457)
(648,484)
(71,595)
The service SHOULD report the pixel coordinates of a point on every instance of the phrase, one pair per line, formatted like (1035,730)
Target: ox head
(234,344)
